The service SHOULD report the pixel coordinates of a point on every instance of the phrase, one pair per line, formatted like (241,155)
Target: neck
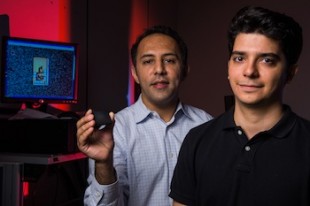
(165,110)
(166,113)
(257,119)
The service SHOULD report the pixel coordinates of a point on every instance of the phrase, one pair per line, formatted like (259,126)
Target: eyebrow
(270,54)
(275,56)
(164,55)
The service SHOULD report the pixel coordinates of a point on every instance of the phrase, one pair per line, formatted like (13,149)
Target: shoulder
(292,120)
(195,112)
(302,120)
(208,130)
(131,115)
(124,124)
(125,114)
(303,124)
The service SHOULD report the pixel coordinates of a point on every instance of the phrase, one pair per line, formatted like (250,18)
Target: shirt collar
(229,122)
(286,123)
(143,112)
(280,130)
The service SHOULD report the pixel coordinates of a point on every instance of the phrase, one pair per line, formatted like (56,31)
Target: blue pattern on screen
(58,73)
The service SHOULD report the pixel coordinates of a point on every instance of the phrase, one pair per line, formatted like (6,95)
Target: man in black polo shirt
(258,153)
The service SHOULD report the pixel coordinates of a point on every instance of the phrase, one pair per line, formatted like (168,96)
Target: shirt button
(239,132)
(247,148)
(171,155)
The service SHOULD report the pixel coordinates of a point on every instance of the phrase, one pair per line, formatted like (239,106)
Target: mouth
(250,87)
(160,84)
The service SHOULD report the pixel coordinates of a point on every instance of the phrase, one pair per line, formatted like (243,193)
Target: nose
(251,70)
(160,68)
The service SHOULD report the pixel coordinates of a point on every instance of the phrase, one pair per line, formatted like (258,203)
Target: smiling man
(258,153)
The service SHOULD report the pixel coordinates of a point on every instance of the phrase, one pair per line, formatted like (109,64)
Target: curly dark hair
(274,25)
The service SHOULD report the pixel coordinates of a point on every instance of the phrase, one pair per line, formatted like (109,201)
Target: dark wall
(104,30)
(79,35)
(108,63)
(110,25)
(203,25)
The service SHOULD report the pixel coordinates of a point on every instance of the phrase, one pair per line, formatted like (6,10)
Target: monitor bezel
(36,100)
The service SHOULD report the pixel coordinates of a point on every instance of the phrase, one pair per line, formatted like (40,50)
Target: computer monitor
(38,71)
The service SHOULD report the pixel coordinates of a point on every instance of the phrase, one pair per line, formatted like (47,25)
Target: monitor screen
(38,71)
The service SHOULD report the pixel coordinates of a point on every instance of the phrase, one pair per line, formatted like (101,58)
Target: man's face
(257,70)
(158,70)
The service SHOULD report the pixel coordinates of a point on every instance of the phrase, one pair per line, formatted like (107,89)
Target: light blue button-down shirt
(145,154)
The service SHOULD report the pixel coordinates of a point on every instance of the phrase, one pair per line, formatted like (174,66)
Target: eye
(170,60)
(269,60)
(147,61)
(237,58)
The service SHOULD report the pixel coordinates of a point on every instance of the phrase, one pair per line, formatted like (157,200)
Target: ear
(291,73)
(134,74)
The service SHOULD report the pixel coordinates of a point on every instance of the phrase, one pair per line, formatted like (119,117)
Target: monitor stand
(42,107)
(31,110)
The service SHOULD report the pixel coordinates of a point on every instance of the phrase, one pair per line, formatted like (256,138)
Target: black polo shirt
(219,166)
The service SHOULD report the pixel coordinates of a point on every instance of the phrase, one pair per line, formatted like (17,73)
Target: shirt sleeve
(101,195)
(115,194)
(183,183)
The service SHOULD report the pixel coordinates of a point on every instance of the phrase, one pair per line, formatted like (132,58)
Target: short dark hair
(161,29)
(274,25)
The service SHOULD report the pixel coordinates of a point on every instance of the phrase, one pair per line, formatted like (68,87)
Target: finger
(112,116)
(84,136)
(89,111)
(84,125)
(86,118)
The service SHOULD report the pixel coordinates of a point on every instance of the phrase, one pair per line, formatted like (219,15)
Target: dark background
(105,31)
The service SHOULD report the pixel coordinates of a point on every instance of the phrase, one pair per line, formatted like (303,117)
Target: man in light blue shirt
(134,166)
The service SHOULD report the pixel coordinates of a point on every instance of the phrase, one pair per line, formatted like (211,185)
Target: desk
(49,178)
(41,159)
